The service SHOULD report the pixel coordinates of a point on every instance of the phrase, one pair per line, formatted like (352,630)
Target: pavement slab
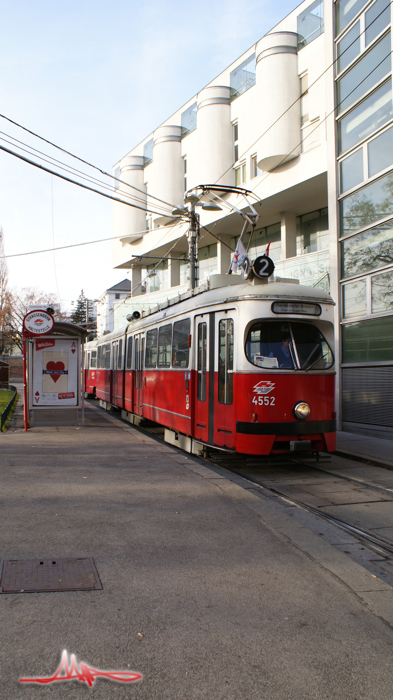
(209,589)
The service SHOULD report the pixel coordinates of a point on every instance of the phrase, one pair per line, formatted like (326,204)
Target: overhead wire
(95,167)
(68,168)
(74,182)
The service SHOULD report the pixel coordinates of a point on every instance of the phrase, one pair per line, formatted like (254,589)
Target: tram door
(224,405)
(138,376)
(202,394)
(114,374)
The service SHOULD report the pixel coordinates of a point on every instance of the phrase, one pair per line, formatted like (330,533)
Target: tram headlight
(301,410)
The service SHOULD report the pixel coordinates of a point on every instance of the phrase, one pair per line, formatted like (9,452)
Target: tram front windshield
(287,345)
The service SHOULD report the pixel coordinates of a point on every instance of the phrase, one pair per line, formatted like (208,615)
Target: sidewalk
(210,590)
(366,448)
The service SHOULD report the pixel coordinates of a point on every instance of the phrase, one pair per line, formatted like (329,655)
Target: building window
(375,111)
(157,276)
(369,160)
(207,260)
(148,152)
(310,24)
(374,66)
(235,141)
(348,48)
(346,11)
(312,232)
(240,174)
(367,206)
(117,296)
(304,110)
(368,341)
(243,77)
(117,176)
(185,174)
(189,120)
(367,251)
(254,170)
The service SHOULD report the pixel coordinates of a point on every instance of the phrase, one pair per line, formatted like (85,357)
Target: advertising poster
(55,372)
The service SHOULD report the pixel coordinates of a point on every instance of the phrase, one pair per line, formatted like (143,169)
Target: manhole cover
(45,575)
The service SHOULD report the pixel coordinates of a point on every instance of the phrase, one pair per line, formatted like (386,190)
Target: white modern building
(104,305)
(304,121)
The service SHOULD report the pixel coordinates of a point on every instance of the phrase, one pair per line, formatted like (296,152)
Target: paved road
(203,593)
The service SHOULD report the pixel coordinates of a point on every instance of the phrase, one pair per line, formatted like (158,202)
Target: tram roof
(239,291)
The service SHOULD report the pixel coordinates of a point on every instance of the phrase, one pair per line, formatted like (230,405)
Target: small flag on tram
(239,257)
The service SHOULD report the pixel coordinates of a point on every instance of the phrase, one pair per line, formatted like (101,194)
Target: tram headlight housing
(301,410)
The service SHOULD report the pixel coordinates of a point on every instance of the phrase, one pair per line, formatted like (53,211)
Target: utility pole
(193,235)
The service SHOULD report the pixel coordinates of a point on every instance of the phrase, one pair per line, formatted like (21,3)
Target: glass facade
(366,212)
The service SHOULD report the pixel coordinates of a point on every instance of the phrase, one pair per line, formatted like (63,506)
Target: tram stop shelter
(55,376)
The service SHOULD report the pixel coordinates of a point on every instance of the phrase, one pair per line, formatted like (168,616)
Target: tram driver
(284,352)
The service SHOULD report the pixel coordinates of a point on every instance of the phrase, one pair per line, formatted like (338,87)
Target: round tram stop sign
(38,323)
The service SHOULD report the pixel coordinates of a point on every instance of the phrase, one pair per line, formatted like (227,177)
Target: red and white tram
(247,367)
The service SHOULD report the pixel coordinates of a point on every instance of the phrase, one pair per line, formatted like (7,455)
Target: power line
(103,172)
(74,182)
(77,245)
(84,176)
(70,168)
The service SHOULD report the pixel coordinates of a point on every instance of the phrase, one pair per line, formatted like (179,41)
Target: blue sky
(96,78)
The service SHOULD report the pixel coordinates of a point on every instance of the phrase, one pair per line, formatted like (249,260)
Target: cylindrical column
(129,220)
(166,179)
(215,138)
(278,87)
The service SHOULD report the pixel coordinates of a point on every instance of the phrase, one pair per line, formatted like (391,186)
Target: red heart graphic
(53,367)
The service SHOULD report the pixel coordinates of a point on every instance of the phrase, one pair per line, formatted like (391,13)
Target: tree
(4,297)
(18,304)
(83,315)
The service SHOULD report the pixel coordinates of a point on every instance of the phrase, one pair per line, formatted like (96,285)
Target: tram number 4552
(264,400)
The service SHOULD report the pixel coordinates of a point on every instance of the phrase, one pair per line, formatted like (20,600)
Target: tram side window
(99,357)
(151,348)
(120,355)
(164,346)
(93,359)
(225,361)
(180,349)
(107,356)
(202,362)
(129,352)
